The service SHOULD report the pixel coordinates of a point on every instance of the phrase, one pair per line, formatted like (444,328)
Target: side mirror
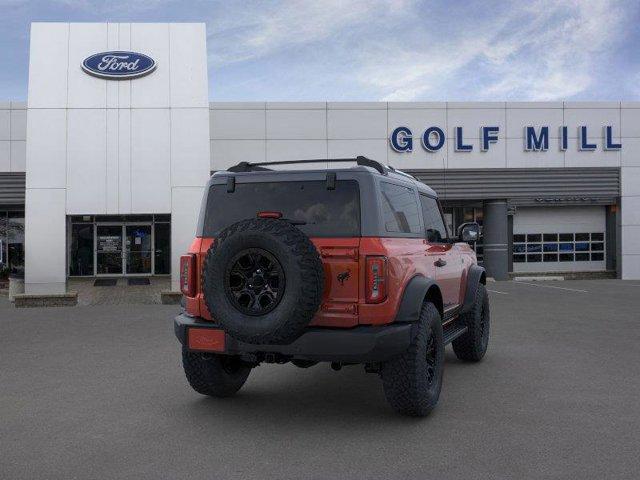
(469,232)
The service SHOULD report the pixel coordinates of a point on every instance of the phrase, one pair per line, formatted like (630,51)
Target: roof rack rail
(260,166)
(400,172)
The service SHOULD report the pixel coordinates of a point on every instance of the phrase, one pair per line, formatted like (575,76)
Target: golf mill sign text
(536,139)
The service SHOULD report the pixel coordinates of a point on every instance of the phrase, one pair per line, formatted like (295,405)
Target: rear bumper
(362,344)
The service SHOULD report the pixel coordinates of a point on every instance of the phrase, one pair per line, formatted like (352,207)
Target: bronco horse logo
(344,276)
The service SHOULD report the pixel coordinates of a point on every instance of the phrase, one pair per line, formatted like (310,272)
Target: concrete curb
(68,299)
(538,278)
(170,298)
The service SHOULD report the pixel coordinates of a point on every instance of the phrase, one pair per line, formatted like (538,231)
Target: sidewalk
(121,294)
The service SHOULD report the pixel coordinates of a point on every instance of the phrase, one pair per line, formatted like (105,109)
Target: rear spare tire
(263,281)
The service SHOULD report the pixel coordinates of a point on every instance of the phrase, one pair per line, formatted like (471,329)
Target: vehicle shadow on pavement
(285,394)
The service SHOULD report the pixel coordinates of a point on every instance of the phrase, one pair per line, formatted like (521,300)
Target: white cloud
(564,54)
(545,51)
(262,28)
(101,7)
(407,50)
(401,49)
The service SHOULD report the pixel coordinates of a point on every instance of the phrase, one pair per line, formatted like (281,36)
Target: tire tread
(468,347)
(308,260)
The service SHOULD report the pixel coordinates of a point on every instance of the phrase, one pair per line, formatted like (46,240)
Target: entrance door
(139,251)
(108,249)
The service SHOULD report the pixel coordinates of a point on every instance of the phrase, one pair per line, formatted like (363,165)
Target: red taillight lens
(269,214)
(188,275)
(376,279)
(207,339)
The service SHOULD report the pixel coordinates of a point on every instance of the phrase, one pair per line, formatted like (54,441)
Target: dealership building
(102,169)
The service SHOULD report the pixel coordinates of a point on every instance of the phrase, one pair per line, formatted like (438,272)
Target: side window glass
(399,209)
(435,230)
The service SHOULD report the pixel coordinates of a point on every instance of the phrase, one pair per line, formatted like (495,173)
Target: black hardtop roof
(363,165)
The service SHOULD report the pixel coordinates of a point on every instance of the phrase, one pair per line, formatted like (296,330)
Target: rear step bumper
(362,344)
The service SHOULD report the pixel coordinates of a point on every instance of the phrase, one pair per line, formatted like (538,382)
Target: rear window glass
(399,209)
(327,213)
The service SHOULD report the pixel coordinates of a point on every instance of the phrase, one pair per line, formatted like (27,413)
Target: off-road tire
(214,375)
(472,345)
(302,270)
(405,377)
(304,363)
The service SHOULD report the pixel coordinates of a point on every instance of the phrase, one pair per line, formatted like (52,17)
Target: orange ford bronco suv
(341,265)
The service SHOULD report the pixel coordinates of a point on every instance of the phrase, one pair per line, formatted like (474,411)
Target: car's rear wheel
(472,345)
(214,375)
(412,381)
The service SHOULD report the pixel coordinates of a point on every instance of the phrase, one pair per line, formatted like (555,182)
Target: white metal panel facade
(111,147)
(13,130)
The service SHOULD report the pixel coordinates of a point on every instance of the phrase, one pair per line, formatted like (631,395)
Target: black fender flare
(475,276)
(412,298)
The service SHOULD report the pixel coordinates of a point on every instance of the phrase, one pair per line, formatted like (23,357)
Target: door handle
(440,263)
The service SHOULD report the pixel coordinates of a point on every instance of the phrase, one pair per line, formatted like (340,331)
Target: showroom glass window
(120,244)
(4,266)
(162,225)
(15,240)
(81,251)
(11,242)
(559,247)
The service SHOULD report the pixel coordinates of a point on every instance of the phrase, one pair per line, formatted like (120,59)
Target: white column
(630,194)
(45,241)
(630,221)
(185,208)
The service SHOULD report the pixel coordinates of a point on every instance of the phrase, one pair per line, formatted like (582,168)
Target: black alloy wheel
(254,282)
(263,281)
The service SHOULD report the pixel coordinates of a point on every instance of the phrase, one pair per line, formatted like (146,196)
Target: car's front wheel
(412,381)
(214,375)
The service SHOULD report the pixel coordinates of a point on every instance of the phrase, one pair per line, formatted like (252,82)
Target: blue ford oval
(118,65)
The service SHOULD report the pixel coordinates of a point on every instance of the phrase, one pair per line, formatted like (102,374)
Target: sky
(377,50)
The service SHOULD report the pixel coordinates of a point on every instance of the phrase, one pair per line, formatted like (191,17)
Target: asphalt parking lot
(98,392)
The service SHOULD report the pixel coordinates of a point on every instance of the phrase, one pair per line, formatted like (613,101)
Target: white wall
(263,131)
(630,214)
(258,131)
(97,146)
(13,131)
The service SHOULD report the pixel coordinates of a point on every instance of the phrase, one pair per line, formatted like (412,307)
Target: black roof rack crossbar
(260,166)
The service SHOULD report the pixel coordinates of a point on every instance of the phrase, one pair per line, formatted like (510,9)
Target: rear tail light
(188,275)
(206,339)
(376,286)
(269,214)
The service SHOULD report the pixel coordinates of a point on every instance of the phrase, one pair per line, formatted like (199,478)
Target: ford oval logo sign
(118,65)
